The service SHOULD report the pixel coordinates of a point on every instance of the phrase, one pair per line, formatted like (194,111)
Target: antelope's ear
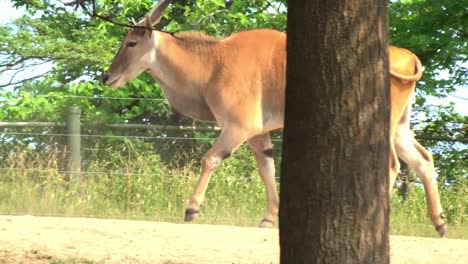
(148,26)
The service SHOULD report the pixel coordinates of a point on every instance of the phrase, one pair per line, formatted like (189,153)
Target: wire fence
(109,136)
(107,173)
(98,97)
(73,131)
(56,96)
(164,137)
(77,138)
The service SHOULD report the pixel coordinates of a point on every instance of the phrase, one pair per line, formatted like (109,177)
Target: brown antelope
(239,82)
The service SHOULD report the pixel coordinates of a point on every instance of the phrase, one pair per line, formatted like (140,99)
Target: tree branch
(9,66)
(76,3)
(210,15)
(441,138)
(11,82)
(94,13)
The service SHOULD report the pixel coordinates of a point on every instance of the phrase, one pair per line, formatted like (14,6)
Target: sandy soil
(28,239)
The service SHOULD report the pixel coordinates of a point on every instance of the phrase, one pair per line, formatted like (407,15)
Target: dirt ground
(29,239)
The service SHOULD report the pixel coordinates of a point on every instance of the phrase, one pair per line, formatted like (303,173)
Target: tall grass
(410,216)
(133,181)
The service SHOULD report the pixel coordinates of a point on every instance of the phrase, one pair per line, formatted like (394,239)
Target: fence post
(74,141)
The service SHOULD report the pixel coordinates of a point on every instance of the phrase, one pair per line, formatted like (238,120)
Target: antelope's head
(137,50)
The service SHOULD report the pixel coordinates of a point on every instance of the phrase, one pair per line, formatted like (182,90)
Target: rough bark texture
(334,175)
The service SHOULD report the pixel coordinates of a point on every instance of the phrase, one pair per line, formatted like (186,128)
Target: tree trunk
(334,175)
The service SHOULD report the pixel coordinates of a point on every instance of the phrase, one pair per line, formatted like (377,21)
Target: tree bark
(334,175)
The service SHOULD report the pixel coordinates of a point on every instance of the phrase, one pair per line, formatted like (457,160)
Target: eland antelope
(239,82)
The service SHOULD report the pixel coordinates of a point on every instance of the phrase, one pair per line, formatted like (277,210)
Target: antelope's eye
(131,44)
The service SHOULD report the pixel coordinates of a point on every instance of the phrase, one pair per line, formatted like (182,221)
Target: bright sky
(460,97)
(7,12)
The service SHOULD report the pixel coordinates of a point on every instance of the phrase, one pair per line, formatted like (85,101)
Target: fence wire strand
(118,136)
(107,136)
(99,97)
(220,177)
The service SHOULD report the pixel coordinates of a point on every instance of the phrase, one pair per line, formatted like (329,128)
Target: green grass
(138,184)
(132,187)
(410,216)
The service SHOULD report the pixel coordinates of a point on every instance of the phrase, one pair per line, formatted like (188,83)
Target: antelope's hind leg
(229,140)
(420,160)
(263,151)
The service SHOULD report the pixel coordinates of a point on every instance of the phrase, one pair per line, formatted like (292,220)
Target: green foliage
(79,48)
(436,30)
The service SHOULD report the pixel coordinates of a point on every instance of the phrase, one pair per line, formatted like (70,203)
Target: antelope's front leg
(229,140)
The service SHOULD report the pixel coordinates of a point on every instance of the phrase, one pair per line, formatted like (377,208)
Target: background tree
(334,175)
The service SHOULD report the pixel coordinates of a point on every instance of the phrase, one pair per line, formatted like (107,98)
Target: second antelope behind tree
(239,82)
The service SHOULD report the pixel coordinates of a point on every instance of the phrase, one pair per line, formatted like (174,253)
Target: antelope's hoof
(266,223)
(191,214)
(441,229)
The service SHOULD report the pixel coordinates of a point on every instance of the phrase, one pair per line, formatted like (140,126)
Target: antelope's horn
(156,12)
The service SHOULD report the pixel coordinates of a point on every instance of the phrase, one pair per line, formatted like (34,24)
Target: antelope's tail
(417,70)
